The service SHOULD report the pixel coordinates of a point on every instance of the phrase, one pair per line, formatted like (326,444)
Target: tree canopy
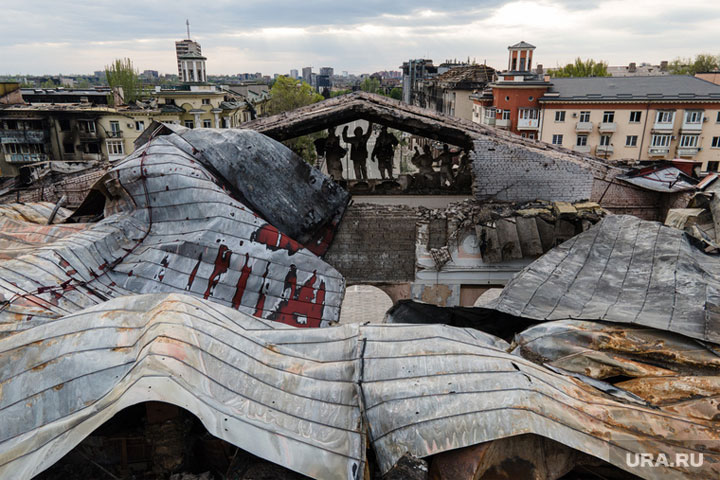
(371,85)
(704,62)
(289,94)
(582,68)
(122,74)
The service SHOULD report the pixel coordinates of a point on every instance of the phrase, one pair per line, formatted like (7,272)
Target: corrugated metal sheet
(623,270)
(172,225)
(303,397)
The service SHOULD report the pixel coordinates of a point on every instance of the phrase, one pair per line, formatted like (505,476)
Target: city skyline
(80,37)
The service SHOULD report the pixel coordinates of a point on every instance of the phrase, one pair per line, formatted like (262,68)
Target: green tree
(580,68)
(122,74)
(371,85)
(289,94)
(704,62)
(396,93)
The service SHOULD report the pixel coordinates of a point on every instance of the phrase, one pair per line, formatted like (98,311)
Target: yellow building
(635,118)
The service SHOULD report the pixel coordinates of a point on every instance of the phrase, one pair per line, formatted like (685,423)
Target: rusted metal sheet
(623,270)
(303,398)
(171,225)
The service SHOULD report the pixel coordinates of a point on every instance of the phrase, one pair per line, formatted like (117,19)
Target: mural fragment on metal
(171,222)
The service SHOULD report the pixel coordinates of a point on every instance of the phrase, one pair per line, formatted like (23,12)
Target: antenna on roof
(187,22)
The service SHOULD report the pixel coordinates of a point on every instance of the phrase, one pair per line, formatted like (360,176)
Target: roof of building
(653,88)
(191,55)
(522,44)
(466,74)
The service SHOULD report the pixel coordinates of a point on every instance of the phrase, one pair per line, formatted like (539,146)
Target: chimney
(632,67)
(539,69)
(663,66)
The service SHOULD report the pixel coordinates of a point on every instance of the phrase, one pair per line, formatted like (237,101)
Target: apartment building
(70,131)
(630,118)
(635,118)
(449,92)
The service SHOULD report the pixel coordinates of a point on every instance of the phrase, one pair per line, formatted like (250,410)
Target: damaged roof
(204,214)
(623,270)
(304,398)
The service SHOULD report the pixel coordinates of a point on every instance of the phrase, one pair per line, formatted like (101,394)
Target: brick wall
(375,244)
(518,172)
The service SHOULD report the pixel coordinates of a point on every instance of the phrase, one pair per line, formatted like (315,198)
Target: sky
(360,36)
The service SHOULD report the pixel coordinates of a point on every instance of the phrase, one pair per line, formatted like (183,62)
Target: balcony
(528,124)
(488,120)
(663,127)
(607,127)
(117,134)
(584,127)
(687,151)
(26,158)
(23,136)
(604,150)
(582,148)
(502,123)
(86,135)
(658,151)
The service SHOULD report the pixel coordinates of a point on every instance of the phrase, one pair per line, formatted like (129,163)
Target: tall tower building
(191,54)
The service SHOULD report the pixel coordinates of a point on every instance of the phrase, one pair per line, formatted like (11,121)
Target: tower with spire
(191,63)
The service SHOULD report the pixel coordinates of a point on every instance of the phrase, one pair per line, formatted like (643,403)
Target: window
(712,167)
(665,117)
(91,148)
(506,114)
(114,128)
(86,126)
(489,113)
(531,135)
(716,142)
(560,116)
(605,140)
(581,140)
(207,124)
(584,116)
(635,117)
(531,99)
(608,117)
(64,125)
(68,148)
(528,113)
(189,124)
(631,141)
(689,141)
(557,139)
(11,148)
(693,116)
(660,141)
(206,101)
(507,98)
(717,120)
(115,147)
(140,126)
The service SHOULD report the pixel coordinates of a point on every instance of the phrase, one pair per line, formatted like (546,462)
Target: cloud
(79,36)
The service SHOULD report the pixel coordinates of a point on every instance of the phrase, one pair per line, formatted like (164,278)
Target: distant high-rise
(191,63)
(329,71)
(294,74)
(307,75)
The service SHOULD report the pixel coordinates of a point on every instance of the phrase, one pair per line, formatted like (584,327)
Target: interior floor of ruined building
(158,441)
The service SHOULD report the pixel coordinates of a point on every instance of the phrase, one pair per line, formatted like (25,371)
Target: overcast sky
(273,36)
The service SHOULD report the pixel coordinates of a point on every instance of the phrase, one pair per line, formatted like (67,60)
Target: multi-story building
(71,131)
(635,118)
(512,100)
(307,75)
(328,71)
(449,92)
(294,74)
(186,47)
(631,118)
(414,71)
